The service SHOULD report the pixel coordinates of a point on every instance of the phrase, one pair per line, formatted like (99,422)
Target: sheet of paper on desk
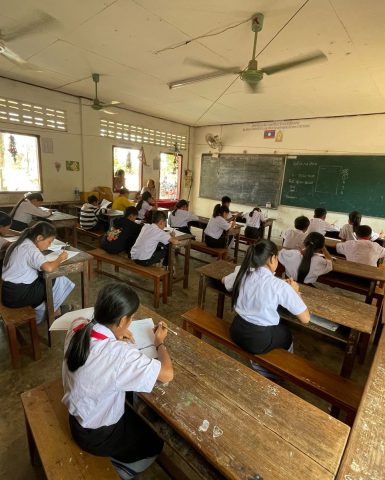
(322,322)
(104,203)
(177,232)
(56,245)
(11,239)
(53,256)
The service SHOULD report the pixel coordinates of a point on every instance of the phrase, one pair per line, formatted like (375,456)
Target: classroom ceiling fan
(42,23)
(96,103)
(251,75)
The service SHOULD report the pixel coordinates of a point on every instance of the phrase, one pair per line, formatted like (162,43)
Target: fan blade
(109,112)
(211,66)
(309,58)
(114,102)
(16,59)
(200,78)
(43,22)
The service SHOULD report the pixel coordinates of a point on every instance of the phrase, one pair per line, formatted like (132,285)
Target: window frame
(179,183)
(2,192)
(128,147)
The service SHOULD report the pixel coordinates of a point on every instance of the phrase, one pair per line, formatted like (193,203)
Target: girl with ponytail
(100,365)
(257,293)
(28,207)
(180,217)
(308,264)
(144,205)
(348,231)
(215,232)
(254,223)
(23,282)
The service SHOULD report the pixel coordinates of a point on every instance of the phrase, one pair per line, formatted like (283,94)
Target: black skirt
(257,339)
(252,232)
(128,440)
(17,295)
(216,242)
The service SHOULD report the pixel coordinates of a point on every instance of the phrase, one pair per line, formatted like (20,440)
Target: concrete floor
(14,459)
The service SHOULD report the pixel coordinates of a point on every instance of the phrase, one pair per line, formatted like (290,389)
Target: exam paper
(53,256)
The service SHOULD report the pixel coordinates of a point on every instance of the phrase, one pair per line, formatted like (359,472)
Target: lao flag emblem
(269,134)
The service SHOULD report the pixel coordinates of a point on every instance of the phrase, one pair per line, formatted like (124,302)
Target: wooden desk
(64,220)
(184,242)
(77,264)
(257,430)
(357,316)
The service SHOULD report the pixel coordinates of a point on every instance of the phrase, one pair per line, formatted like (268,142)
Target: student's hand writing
(63,256)
(174,240)
(173,233)
(127,337)
(293,284)
(160,332)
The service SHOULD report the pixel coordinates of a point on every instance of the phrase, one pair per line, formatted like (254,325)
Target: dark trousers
(161,253)
(18,226)
(220,242)
(252,232)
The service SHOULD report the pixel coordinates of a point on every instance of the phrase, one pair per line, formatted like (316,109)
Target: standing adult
(119,180)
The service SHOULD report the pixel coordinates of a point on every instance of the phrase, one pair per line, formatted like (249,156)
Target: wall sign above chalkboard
(339,183)
(247,179)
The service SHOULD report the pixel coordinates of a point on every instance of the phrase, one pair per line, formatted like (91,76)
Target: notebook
(322,322)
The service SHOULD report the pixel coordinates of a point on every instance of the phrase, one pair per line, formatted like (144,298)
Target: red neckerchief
(364,238)
(94,333)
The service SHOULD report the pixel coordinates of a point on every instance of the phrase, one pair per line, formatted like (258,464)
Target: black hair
(363,231)
(301,223)
(256,256)
(44,229)
(123,190)
(92,199)
(115,300)
(145,196)
(313,242)
(219,210)
(320,212)
(355,219)
(119,172)
(255,209)
(182,203)
(5,219)
(131,211)
(27,196)
(225,199)
(157,216)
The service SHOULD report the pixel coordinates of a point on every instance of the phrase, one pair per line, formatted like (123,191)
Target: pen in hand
(163,325)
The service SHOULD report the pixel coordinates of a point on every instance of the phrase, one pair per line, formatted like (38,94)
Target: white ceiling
(120,39)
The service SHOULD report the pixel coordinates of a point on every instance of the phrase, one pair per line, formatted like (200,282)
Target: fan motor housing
(252,76)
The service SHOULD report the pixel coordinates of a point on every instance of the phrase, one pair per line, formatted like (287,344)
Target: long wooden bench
(340,392)
(220,253)
(49,436)
(93,235)
(157,274)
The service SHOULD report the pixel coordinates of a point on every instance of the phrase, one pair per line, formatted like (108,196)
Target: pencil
(168,328)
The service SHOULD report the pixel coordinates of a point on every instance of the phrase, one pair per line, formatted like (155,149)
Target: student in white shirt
(23,282)
(215,232)
(151,246)
(294,237)
(5,225)
(362,250)
(318,223)
(347,232)
(144,206)
(28,207)
(257,293)
(180,217)
(307,265)
(226,201)
(254,223)
(101,363)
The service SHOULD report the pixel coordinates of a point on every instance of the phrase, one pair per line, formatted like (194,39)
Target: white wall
(81,142)
(354,135)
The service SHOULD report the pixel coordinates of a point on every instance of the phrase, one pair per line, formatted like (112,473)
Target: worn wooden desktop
(255,428)
(184,242)
(357,316)
(64,220)
(77,264)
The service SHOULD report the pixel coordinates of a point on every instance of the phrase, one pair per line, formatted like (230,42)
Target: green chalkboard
(339,183)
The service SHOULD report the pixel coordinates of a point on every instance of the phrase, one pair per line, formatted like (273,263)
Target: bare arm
(303,317)
(166,373)
(326,253)
(52,266)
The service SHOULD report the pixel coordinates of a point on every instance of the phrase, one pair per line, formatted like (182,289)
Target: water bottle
(77,194)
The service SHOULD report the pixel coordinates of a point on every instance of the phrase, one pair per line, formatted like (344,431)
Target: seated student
(100,365)
(5,225)
(318,223)
(180,217)
(348,231)
(123,234)
(254,223)
(150,187)
(24,263)
(307,265)
(215,232)
(28,207)
(91,215)
(294,237)
(362,250)
(152,244)
(121,202)
(226,201)
(257,293)
(145,205)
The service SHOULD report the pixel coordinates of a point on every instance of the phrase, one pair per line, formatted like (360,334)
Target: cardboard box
(84,195)
(105,193)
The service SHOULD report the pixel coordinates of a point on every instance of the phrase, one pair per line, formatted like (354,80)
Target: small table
(64,220)
(244,425)
(77,264)
(184,242)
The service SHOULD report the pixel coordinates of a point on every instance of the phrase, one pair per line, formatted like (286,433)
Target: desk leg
(269,232)
(365,337)
(50,307)
(186,271)
(171,264)
(236,247)
(220,304)
(202,291)
(75,236)
(85,275)
(350,353)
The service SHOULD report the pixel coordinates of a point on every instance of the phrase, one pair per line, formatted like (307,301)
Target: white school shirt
(24,263)
(148,240)
(26,210)
(346,233)
(181,218)
(142,212)
(291,260)
(95,393)
(255,220)
(361,251)
(216,226)
(294,238)
(320,226)
(260,295)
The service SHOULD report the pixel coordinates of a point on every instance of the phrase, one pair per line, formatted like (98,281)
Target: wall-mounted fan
(214,142)
(251,75)
(96,103)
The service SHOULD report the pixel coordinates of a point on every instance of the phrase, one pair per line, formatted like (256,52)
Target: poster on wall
(72,166)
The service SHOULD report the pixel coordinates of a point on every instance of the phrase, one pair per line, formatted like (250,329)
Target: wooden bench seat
(220,253)
(16,317)
(339,391)
(157,274)
(93,235)
(49,436)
